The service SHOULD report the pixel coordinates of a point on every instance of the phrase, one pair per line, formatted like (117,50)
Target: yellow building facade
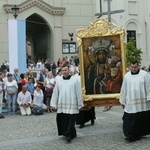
(48,24)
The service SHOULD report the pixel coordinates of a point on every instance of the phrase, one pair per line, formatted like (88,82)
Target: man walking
(66,98)
(135,100)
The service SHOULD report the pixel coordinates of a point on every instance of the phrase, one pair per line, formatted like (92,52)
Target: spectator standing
(11,89)
(40,80)
(1,95)
(49,85)
(54,69)
(23,81)
(58,62)
(31,75)
(39,65)
(47,65)
(30,87)
(17,78)
(59,75)
(3,67)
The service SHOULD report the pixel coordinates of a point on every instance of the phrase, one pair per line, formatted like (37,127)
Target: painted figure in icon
(103,75)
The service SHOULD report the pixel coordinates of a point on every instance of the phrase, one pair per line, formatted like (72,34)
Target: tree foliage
(132,53)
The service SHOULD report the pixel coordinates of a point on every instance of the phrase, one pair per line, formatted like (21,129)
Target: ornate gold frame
(97,29)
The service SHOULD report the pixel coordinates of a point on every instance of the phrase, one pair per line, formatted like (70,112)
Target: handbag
(37,111)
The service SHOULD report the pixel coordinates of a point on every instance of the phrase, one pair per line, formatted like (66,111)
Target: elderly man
(41,77)
(17,78)
(24,101)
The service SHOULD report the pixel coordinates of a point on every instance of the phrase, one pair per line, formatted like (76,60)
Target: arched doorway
(38,37)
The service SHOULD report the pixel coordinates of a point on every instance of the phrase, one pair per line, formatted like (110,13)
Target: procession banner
(17,44)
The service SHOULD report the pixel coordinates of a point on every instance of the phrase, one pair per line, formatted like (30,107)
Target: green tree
(132,53)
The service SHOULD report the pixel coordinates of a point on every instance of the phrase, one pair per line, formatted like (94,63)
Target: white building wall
(136,17)
(78,13)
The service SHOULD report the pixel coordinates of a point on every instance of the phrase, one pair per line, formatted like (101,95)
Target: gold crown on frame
(101,44)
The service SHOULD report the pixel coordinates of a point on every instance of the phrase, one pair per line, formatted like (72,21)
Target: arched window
(131,31)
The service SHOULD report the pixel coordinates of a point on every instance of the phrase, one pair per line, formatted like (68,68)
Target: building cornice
(39,3)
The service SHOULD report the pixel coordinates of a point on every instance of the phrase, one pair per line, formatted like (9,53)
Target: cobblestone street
(40,133)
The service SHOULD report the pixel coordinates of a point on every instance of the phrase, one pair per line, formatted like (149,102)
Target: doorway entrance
(38,37)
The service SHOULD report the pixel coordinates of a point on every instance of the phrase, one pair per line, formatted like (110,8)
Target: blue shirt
(30,87)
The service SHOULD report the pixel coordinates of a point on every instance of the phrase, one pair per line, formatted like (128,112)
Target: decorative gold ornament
(100,34)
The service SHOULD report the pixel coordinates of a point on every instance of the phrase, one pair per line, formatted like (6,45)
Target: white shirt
(72,68)
(57,78)
(38,98)
(66,96)
(77,76)
(135,92)
(24,98)
(4,79)
(39,66)
(1,86)
(49,82)
(11,86)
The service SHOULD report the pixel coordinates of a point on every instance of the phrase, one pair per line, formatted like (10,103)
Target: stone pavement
(40,133)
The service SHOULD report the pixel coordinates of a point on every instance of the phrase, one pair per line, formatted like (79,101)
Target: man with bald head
(24,101)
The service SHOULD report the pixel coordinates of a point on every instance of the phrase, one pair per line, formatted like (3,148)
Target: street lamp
(15,11)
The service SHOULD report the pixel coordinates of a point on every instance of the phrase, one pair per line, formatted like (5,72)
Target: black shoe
(81,126)
(68,139)
(92,122)
(132,139)
(1,116)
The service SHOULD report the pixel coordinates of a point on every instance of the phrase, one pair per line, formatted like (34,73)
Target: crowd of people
(38,81)
(37,89)
(57,87)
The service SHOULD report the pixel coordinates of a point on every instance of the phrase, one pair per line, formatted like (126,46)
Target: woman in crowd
(31,75)
(38,97)
(38,100)
(11,88)
(23,80)
(49,85)
(54,69)
(59,75)
(1,95)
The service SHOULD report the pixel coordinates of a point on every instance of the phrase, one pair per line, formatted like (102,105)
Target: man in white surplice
(66,98)
(135,100)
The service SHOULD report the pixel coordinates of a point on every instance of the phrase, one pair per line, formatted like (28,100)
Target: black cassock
(66,124)
(136,125)
(85,116)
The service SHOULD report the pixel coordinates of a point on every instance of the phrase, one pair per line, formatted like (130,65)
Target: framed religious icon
(102,62)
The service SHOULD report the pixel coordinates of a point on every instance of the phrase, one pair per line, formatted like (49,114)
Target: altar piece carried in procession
(102,61)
